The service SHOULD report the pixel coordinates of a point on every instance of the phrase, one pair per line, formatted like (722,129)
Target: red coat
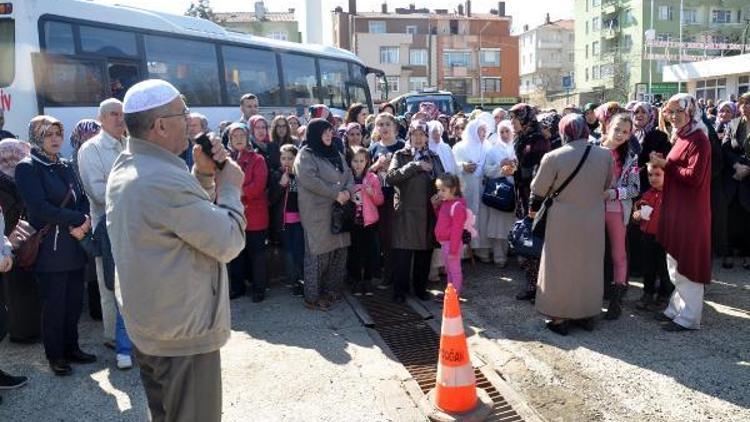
(653,199)
(254,196)
(685,224)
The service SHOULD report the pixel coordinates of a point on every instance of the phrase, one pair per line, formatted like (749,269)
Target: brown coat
(414,219)
(572,266)
(318,184)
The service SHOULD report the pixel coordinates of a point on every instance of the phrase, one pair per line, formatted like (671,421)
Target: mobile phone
(205,143)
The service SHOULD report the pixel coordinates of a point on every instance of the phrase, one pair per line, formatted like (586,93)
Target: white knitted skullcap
(148,95)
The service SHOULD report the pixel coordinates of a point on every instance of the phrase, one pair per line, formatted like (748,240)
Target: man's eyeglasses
(185,113)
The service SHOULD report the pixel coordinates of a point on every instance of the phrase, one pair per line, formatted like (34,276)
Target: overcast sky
(520,10)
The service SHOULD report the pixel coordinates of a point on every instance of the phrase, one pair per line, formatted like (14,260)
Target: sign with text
(696,45)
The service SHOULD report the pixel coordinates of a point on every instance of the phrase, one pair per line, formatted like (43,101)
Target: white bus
(63,57)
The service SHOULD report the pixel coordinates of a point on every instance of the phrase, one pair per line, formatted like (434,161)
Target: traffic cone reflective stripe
(455,388)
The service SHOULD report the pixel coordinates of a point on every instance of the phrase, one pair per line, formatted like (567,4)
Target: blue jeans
(123,346)
(293,244)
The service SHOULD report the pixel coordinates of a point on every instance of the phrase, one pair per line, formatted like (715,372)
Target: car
(409,103)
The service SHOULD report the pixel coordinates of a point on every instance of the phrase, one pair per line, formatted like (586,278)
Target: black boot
(615,303)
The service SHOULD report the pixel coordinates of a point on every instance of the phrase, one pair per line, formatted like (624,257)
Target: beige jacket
(170,243)
(95,160)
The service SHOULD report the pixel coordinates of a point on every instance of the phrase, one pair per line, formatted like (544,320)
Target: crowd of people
(167,221)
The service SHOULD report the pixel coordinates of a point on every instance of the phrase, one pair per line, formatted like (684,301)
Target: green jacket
(170,244)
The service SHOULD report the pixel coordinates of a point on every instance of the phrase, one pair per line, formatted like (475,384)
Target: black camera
(204,141)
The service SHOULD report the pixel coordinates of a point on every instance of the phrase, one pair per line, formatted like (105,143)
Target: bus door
(122,74)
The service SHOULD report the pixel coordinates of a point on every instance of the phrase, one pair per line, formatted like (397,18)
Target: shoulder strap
(575,172)
(453,208)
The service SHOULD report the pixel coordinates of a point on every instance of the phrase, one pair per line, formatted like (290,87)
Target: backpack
(470,230)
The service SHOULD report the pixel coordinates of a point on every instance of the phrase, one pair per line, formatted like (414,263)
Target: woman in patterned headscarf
(44,180)
(685,231)
(530,146)
(549,123)
(83,131)
(20,289)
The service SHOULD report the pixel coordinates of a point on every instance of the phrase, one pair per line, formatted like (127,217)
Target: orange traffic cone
(455,390)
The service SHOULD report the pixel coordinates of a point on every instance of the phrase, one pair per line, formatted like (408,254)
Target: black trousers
(385,237)
(62,301)
(402,266)
(250,263)
(363,253)
(738,228)
(23,303)
(654,260)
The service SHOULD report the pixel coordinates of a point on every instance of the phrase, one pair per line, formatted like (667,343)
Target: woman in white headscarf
(494,225)
(469,155)
(439,147)
(491,137)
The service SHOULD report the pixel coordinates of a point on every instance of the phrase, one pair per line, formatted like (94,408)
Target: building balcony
(551,45)
(610,33)
(610,7)
(455,71)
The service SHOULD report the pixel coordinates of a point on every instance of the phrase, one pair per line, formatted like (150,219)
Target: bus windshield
(7,52)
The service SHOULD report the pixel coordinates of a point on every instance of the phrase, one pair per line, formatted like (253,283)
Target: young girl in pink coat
(364,255)
(450,207)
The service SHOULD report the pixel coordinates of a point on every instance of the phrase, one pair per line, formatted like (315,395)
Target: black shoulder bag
(540,220)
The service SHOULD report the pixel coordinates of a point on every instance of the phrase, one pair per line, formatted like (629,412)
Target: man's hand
(231,174)
(205,164)
(469,167)
(6,264)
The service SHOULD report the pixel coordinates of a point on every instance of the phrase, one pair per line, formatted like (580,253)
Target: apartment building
(470,54)
(546,58)
(276,25)
(622,46)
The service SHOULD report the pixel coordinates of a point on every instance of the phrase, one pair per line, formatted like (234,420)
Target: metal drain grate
(416,346)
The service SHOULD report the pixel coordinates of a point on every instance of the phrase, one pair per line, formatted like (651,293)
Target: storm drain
(416,346)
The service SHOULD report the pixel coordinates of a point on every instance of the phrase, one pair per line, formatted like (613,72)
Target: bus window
(121,77)
(7,52)
(357,94)
(190,66)
(333,78)
(64,81)
(58,38)
(107,42)
(300,81)
(249,70)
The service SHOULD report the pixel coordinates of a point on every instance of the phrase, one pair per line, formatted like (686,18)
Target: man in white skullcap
(171,243)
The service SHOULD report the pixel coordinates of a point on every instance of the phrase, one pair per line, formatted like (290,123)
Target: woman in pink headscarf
(571,272)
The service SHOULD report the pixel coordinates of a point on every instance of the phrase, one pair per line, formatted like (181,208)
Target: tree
(200,9)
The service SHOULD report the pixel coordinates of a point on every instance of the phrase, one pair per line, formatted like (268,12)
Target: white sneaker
(124,362)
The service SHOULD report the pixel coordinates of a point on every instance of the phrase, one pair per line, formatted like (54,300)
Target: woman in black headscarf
(323,178)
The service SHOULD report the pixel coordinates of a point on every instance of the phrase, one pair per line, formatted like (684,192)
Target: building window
(412,29)
(587,27)
(743,85)
(595,3)
(721,16)
(418,57)
(629,17)
(457,58)
(660,65)
(280,35)
(490,57)
(458,86)
(665,13)
(665,36)
(587,51)
(571,57)
(595,49)
(606,70)
(595,72)
(596,24)
(689,16)
(392,84)
(389,55)
(587,74)
(417,83)
(627,43)
(711,89)
(492,84)
(377,27)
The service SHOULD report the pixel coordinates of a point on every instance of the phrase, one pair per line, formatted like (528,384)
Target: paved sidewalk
(282,363)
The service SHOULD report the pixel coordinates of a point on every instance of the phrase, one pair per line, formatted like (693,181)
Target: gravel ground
(282,363)
(625,370)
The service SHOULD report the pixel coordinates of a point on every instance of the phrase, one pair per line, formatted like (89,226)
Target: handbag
(342,217)
(499,194)
(540,219)
(523,241)
(28,250)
